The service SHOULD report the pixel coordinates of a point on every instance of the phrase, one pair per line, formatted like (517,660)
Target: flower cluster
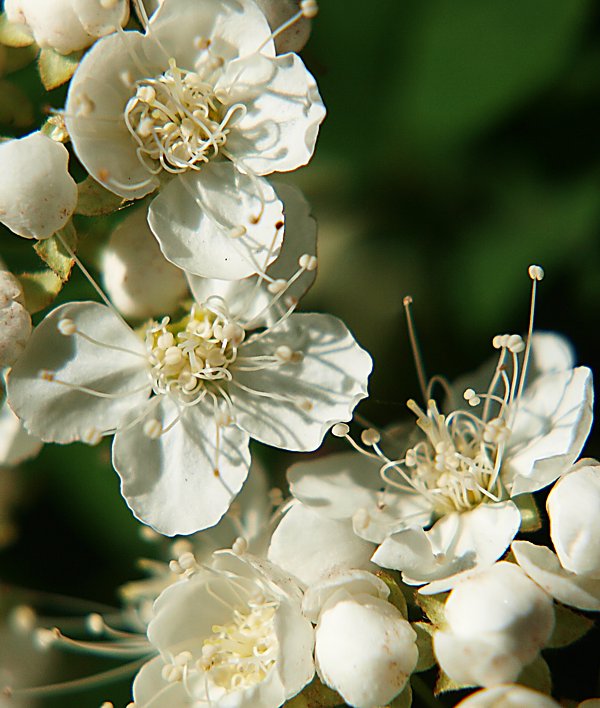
(404,551)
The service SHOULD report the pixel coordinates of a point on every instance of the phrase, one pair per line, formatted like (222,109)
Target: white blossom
(496,623)
(136,276)
(572,574)
(37,193)
(232,634)
(184,398)
(15,321)
(200,98)
(508,696)
(67,25)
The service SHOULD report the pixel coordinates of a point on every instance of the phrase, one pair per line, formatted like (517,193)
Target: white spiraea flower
(37,193)
(185,396)
(508,696)
(15,321)
(136,276)
(231,634)
(67,25)
(572,574)
(496,623)
(364,648)
(201,98)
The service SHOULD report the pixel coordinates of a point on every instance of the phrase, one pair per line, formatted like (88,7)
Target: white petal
(550,352)
(37,193)
(140,282)
(365,650)
(98,20)
(318,391)
(311,546)
(508,696)
(151,689)
(552,423)
(251,303)
(454,544)
(94,113)
(15,320)
(573,505)
(171,483)
(57,413)
(339,486)
(284,110)
(544,567)
(16,445)
(198,217)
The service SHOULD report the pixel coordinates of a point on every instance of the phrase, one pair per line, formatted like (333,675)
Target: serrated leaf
(396,596)
(316,695)
(531,520)
(40,289)
(569,627)
(444,684)
(537,676)
(434,606)
(56,69)
(12,34)
(95,200)
(404,699)
(55,255)
(15,108)
(424,632)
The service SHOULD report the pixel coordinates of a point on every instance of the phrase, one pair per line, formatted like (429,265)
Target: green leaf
(40,289)
(404,699)
(434,606)
(53,253)
(537,676)
(95,200)
(569,627)
(396,596)
(424,632)
(444,684)
(531,520)
(16,109)
(56,69)
(12,34)
(316,695)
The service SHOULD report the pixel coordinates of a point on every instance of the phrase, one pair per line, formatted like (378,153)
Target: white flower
(184,398)
(15,322)
(67,25)
(203,98)
(572,575)
(232,634)
(460,470)
(364,648)
(138,279)
(508,696)
(497,621)
(37,193)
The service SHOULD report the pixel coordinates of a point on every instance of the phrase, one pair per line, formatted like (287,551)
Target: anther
(187,560)
(23,619)
(223,419)
(45,638)
(370,437)
(515,344)
(171,673)
(201,43)
(234,333)
(536,272)
(340,430)
(277,286)
(237,232)
(309,9)
(47,375)
(173,356)
(153,429)
(239,546)
(165,340)
(92,436)
(361,519)
(307,262)
(67,327)
(305,405)
(95,623)
(471,397)
(285,353)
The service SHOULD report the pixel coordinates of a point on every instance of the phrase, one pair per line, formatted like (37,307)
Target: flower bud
(508,696)
(37,193)
(365,650)
(67,25)
(15,322)
(497,623)
(137,277)
(573,507)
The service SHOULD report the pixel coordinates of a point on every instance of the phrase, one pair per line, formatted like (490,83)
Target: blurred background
(461,145)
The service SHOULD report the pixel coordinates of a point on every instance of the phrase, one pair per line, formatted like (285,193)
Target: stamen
(407,302)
